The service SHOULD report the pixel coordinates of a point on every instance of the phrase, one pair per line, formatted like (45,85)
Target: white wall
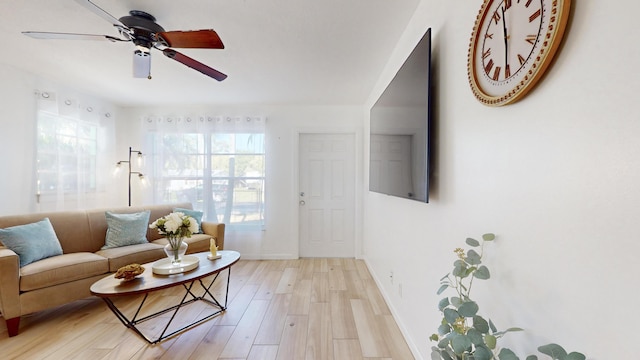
(555,176)
(284,123)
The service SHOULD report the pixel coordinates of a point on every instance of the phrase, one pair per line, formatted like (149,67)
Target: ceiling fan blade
(194,64)
(69,36)
(203,39)
(98,11)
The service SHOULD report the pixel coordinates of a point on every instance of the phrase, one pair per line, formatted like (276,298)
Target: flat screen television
(400,129)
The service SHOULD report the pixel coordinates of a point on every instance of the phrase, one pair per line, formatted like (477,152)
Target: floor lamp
(140,175)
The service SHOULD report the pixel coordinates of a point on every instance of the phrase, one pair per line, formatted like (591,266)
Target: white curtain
(216,162)
(75,135)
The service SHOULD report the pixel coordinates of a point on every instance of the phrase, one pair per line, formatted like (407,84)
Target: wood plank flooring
(312,309)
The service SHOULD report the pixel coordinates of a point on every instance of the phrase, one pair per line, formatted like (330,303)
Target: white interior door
(327,195)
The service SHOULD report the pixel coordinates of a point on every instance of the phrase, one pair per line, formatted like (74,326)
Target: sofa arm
(9,283)
(216,230)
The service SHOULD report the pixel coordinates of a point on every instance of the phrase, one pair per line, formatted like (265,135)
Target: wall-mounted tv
(400,129)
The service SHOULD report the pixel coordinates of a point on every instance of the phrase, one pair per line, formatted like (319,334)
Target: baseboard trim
(405,333)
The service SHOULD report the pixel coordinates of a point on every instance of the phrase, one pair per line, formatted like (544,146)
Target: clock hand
(506,49)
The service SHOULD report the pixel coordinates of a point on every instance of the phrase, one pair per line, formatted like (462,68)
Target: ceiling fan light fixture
(143,49)
(142,64)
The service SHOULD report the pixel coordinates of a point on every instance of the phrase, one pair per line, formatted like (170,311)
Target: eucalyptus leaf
(482,353)
(459,268)
(490,340)
(480,324)
(460,344)
(443,304)
(444,343)
(473,242)
(473,258)
(470,271)
(488,237)
(468,309)
(456,301)
(475,336)
(434,337)
(451,354)
(435,354)
(445,355)
(506,354)
(482,273)
(575,356)
(554,350)
(442,289)
(532,357)
(493,327)
(512,329)
(459,263)
(444,329)
(451,315)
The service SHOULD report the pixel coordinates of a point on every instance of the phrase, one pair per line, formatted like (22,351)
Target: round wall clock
(512,44)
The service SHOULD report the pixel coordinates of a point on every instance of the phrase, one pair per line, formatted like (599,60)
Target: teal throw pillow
(32,242)
(194,214)
(126,229)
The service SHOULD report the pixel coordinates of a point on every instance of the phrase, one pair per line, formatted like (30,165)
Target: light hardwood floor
(278,309)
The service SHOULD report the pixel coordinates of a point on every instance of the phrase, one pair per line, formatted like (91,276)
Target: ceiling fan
(141,28)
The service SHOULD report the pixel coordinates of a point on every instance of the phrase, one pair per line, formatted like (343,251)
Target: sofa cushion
(196,214)
(126,229)
(32,242)
(138,254)
(61,269)
(196,243)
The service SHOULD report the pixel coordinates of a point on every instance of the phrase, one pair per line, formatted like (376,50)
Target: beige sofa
(61,279)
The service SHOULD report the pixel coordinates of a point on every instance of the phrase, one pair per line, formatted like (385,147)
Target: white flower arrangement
(175,226)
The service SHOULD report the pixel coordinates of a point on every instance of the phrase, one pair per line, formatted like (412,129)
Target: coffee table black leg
(124,320)
(131,324)
(213,300)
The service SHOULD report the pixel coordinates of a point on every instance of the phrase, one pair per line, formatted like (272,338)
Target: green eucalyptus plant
(465,335)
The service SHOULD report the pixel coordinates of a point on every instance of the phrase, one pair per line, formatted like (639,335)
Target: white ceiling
(278,52)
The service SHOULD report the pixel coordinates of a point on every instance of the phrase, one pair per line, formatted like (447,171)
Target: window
(220,173)
(66,155)
(75,137)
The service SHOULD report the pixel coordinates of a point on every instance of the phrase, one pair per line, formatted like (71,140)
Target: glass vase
(175,250)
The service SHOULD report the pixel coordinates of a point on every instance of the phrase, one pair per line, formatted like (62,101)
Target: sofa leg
(13,325)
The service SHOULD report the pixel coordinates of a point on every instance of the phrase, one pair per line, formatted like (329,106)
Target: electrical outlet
(391,276)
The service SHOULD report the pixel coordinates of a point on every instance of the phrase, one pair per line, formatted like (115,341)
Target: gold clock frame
(553,36)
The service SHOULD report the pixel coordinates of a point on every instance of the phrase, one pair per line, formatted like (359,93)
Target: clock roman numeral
(486,54)
(507,71)
(521,59)
(496,73)
(496,17)
(507,4)
(528,3)
(535,15)
(531,39)
(488,67)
